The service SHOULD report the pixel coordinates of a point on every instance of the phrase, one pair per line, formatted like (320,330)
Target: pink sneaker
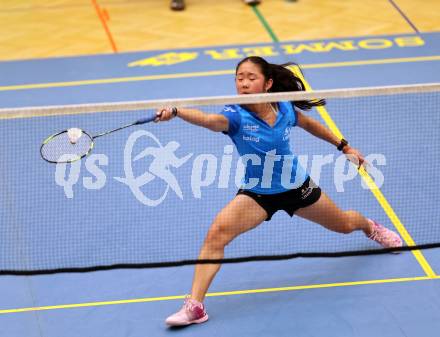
(383,236)
(191,312)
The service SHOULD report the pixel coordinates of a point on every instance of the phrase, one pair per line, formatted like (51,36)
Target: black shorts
(289,201)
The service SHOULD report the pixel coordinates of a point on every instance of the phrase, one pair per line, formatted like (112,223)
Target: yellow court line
(372,62)
(114,80)
(375,189)
(224,293)
(204,74)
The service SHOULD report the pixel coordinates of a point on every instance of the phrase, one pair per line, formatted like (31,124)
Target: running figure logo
(164,157)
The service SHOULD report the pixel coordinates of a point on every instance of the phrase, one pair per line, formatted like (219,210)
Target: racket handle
(146,120)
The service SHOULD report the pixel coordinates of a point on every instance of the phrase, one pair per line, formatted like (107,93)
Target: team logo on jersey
(251,139)
(251,127)
(286,134)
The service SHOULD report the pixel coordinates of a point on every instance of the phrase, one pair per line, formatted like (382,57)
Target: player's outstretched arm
(318,130)
(213,122)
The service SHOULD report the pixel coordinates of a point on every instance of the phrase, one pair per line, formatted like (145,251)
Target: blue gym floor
(385,295)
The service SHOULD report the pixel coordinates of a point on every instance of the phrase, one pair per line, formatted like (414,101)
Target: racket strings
(59,149)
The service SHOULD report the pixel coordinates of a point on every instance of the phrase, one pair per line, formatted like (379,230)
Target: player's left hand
(355,156)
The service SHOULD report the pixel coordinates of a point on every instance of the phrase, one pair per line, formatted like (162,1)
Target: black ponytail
(283,80)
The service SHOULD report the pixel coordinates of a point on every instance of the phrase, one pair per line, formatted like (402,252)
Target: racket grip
(146,119)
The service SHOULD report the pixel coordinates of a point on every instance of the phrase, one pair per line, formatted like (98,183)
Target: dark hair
(283,79)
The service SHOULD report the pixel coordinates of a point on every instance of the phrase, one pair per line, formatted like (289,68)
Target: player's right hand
(164,114)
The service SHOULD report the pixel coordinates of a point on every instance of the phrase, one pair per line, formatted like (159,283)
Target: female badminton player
(257,129)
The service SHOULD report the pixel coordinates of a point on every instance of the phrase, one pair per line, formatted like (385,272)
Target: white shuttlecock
(74,134)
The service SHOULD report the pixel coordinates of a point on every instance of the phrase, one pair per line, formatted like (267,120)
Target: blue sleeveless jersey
(270,165)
